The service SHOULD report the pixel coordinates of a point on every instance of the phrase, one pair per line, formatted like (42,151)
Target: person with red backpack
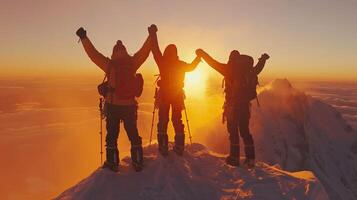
(120,92)
(241,80)
(170,94)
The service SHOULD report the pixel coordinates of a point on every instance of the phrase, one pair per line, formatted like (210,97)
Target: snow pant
(238,123)
(170,98)
(176,118)
(128,115)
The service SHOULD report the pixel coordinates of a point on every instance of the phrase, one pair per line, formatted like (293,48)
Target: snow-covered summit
(299,132)
(199,174)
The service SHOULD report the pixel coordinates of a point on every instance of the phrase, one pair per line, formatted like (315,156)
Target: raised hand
(199,52)
(81,33)
(265,56)
(152,29)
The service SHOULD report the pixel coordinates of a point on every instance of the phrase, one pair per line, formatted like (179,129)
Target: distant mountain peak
(299,132)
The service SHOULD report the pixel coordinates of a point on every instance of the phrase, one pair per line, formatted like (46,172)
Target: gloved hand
(81,33)
(152,29)
(265,56)
(199,52)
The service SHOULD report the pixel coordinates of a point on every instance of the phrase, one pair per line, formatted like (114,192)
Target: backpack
(241,88)
(251,84)
(127,84)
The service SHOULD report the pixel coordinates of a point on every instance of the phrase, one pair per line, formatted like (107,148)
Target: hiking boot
(249,163)
(137,157)
(110,166)
(163,141)
(179,146)
(138,167)
(233,158)
(249,151)
(233,161)
(112,159)
(178,150)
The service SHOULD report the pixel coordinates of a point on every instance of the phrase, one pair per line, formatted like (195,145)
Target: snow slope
(199,174)
(298,132)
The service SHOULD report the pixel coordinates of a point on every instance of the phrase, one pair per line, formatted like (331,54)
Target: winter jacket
(114,70)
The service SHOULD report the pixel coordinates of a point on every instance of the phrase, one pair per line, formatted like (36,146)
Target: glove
(152,29)
(265,56)
(81,33)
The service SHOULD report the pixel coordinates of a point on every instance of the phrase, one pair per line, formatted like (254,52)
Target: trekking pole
(188,125)
(153,117)
(101,129)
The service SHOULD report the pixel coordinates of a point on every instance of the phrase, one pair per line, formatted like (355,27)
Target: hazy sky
(306,39)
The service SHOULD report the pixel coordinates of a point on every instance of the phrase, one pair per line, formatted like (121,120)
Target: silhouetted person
(237,74)
(170,93)
(120,101)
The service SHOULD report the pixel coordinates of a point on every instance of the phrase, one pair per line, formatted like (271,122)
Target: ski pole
(153,117)
(188,125)
(101,129)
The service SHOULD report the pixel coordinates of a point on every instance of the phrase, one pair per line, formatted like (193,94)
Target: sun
(195,83)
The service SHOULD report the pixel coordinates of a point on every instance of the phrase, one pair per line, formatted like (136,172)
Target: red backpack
(128,84)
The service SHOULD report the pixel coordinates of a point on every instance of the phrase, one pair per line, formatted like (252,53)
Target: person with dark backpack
(170,94)
(120,90)
(241,80)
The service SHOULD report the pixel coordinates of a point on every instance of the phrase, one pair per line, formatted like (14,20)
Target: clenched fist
(81,33)
(265,56)
(152,29)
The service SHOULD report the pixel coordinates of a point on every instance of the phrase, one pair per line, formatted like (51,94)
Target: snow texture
(199,174)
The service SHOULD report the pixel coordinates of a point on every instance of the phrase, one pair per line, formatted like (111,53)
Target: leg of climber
(243,123)
(232,127)
(162,136)
(179,128)
(130,125)
(112,126)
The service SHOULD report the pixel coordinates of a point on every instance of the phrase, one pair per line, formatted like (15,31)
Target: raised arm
(193,64)
(155,45)
(99,59)
(143,53)
(219,67)
(261,63)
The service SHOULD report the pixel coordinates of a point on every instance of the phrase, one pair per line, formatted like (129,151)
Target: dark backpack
(241,88)
(251,84)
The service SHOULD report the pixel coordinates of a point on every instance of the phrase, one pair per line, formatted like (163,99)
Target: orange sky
(306,40)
